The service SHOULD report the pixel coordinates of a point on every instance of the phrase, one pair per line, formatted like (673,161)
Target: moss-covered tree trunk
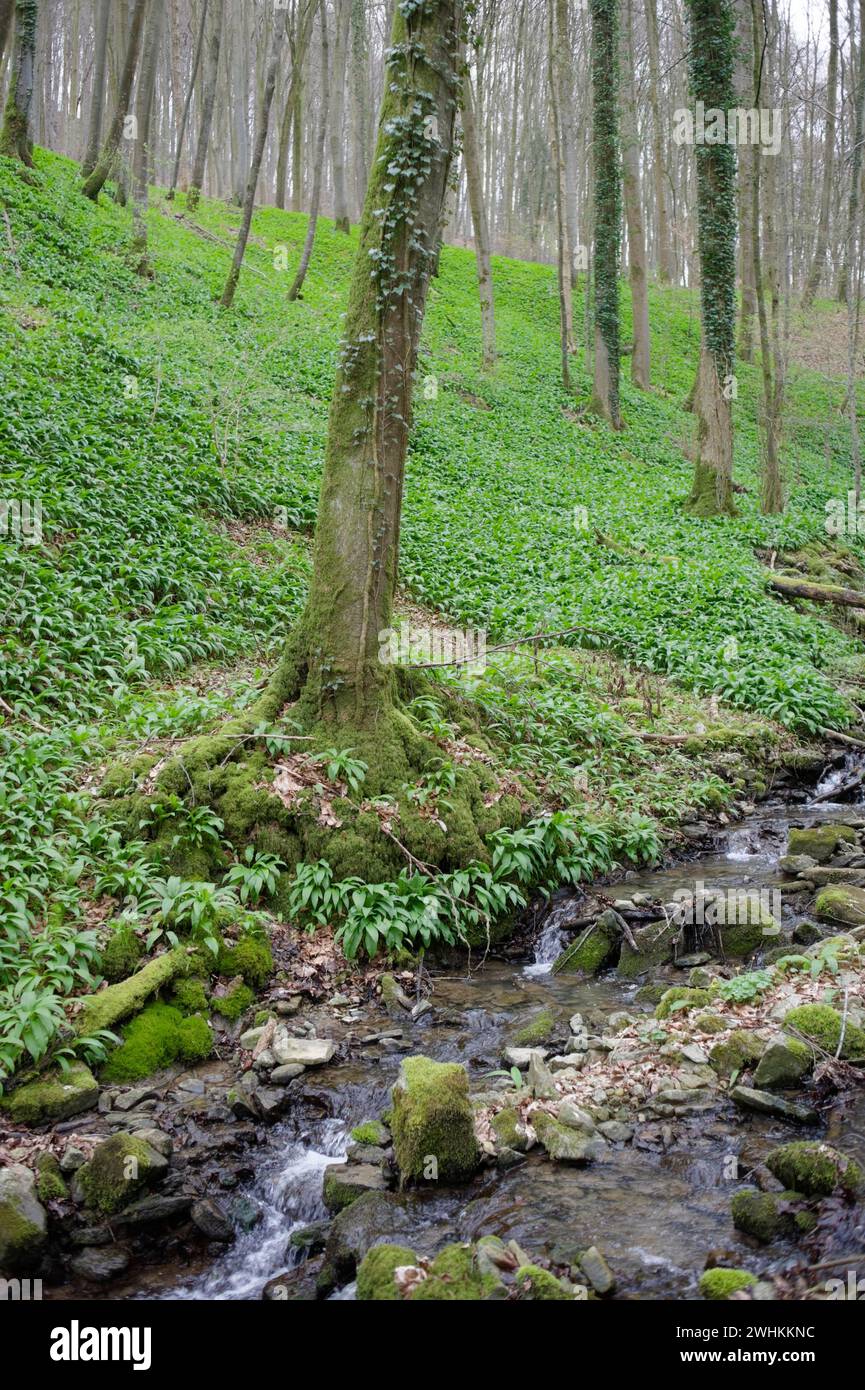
(15,141)
(334,656)
(608,206)
(711,66)
(95,181)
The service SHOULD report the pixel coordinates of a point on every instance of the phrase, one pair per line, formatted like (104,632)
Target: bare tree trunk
(263,120)
(818,265)
(337,129)
(558,66)
(856,165)
(144,119)
(318,172)
(95,181)
(772,488)
(299,43)
(7,9)
(748,157)
(208,98)
(185,116)
(480,222)
(15,138)
(640,374)
(97,98)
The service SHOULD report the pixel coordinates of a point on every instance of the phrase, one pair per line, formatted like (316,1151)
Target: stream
(655,1214)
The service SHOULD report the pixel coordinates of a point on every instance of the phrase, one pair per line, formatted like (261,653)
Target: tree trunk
(748,161)
(188,98)
(318,173)
(666,265)
(95,181)
(7,9)
(856,165)
(337,130)
(772,487)
(144,118)
(711,68)
(262,122)
(208,98)
(97,98)
(634,211)
(299,43)
(818,265)
(608,207)
(15,138)
(334,655)
(480,222)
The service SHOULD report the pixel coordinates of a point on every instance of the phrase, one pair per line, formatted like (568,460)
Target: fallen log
(815,593)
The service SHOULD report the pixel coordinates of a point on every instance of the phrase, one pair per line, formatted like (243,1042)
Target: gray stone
(521,1056)
(595,1268)
(305,1052)
(575,1117)
(540,1079)
(252,1036)
(101,1265)
(149,1211)
(616,1131)
(72,1159)
(270,1101)
(783,1064)
(23,1222)
(130,1099)
(767,1104)
(281,1076)
(211,1219)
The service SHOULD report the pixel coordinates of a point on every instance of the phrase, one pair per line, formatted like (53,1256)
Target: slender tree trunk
(97,98)
(772,487)
(855,165)
(262,122)
(299,42)
(818,265)
(188,98)
(666,267)
(711,68)
(318,172)
(297,138)
(95,181)
(608,207)
(640,374)
(208,99)
(480,222)
(15,138)
(144,121)
(748,158)
(335,655)
(337,129)
(7,9)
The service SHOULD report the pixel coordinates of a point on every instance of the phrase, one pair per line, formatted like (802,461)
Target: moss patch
(815,1169)
(375,1281)
(454,1276)
(683,998)
(537,1030)
(432,1122)
(234,1003)
(55,1096)
(122,954)
(823,1024)
(159,1036)
(721,1283)
(738,1051)
(538,1285)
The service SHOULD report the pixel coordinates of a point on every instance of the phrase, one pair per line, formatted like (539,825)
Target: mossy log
(816,593)
(111,1005)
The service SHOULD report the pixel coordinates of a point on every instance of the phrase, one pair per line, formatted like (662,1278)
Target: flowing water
(655,1213)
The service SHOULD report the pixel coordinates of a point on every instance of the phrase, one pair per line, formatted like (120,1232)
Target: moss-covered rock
(55,1096)
(50,1183)
(758,1215)
(841,902)
(815,1169)
(234,1003)
(709,1022)
(121,954)
(717,1284)
(120,1169)
(371,1132)
(823,1024)
(820,842)
(23,1222)
(680,999)
(506,1127)
(432,1122)
(742,938)
(785,1063)
(375,1277)
(654,948)
(157,1037)
(735,1053)
(593,949)
(190,996)
(540,1286)
(345,1183)
(538,1029)
(250,957)
(454,1276)
(564,1143)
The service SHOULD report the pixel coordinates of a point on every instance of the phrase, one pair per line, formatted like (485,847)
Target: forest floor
(166,459)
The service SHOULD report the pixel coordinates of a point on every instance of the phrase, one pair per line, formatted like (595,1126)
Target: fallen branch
(815,593)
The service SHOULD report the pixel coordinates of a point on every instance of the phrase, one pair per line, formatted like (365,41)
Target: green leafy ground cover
(175,452)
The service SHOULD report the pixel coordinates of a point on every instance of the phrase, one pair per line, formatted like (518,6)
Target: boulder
(100,1265)
(564,1144)
(823,1025)
(304,1052)
(509,1132)
(23,1221)
(595,1269)
(372,1217)
(747,1098)
(820,842)
(815,1169)
(785,1063)
(740,1050)
(841,903)
(594,947)
(654,948)
(345,1182)
(54,1096)
(768,1215)
(212,1220)
(118,1171)
(540,1079)
(432,1122)
(538,1029)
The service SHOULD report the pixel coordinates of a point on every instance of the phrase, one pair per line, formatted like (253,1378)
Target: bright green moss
(371,1132)
(540,1286)
(54,1096)
(121,954)
(375,1281)
(756,1213)
(738,1051)
(815,1169)
(190,996)
(50,1184)
(685,998)
(718,1284)
(234,1003)
(823,1024)
(454,1276)
(432,1125)
(118,1171)
(250,957)
(110,1005)
(157,1037)
(537,1030)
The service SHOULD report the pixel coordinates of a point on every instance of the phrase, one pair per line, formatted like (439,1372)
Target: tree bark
(144,119)
(334,657)
(855,165)
(608,207)
(97,98)
(337,129)
(262,123)
(188,98)
(711,68)
(640,373)
(7,9)
(818,265)
(666,262)
(95,181)
(208,98)
(480,222)
(748,170)
(15,137)
(318,173)
(772,488)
